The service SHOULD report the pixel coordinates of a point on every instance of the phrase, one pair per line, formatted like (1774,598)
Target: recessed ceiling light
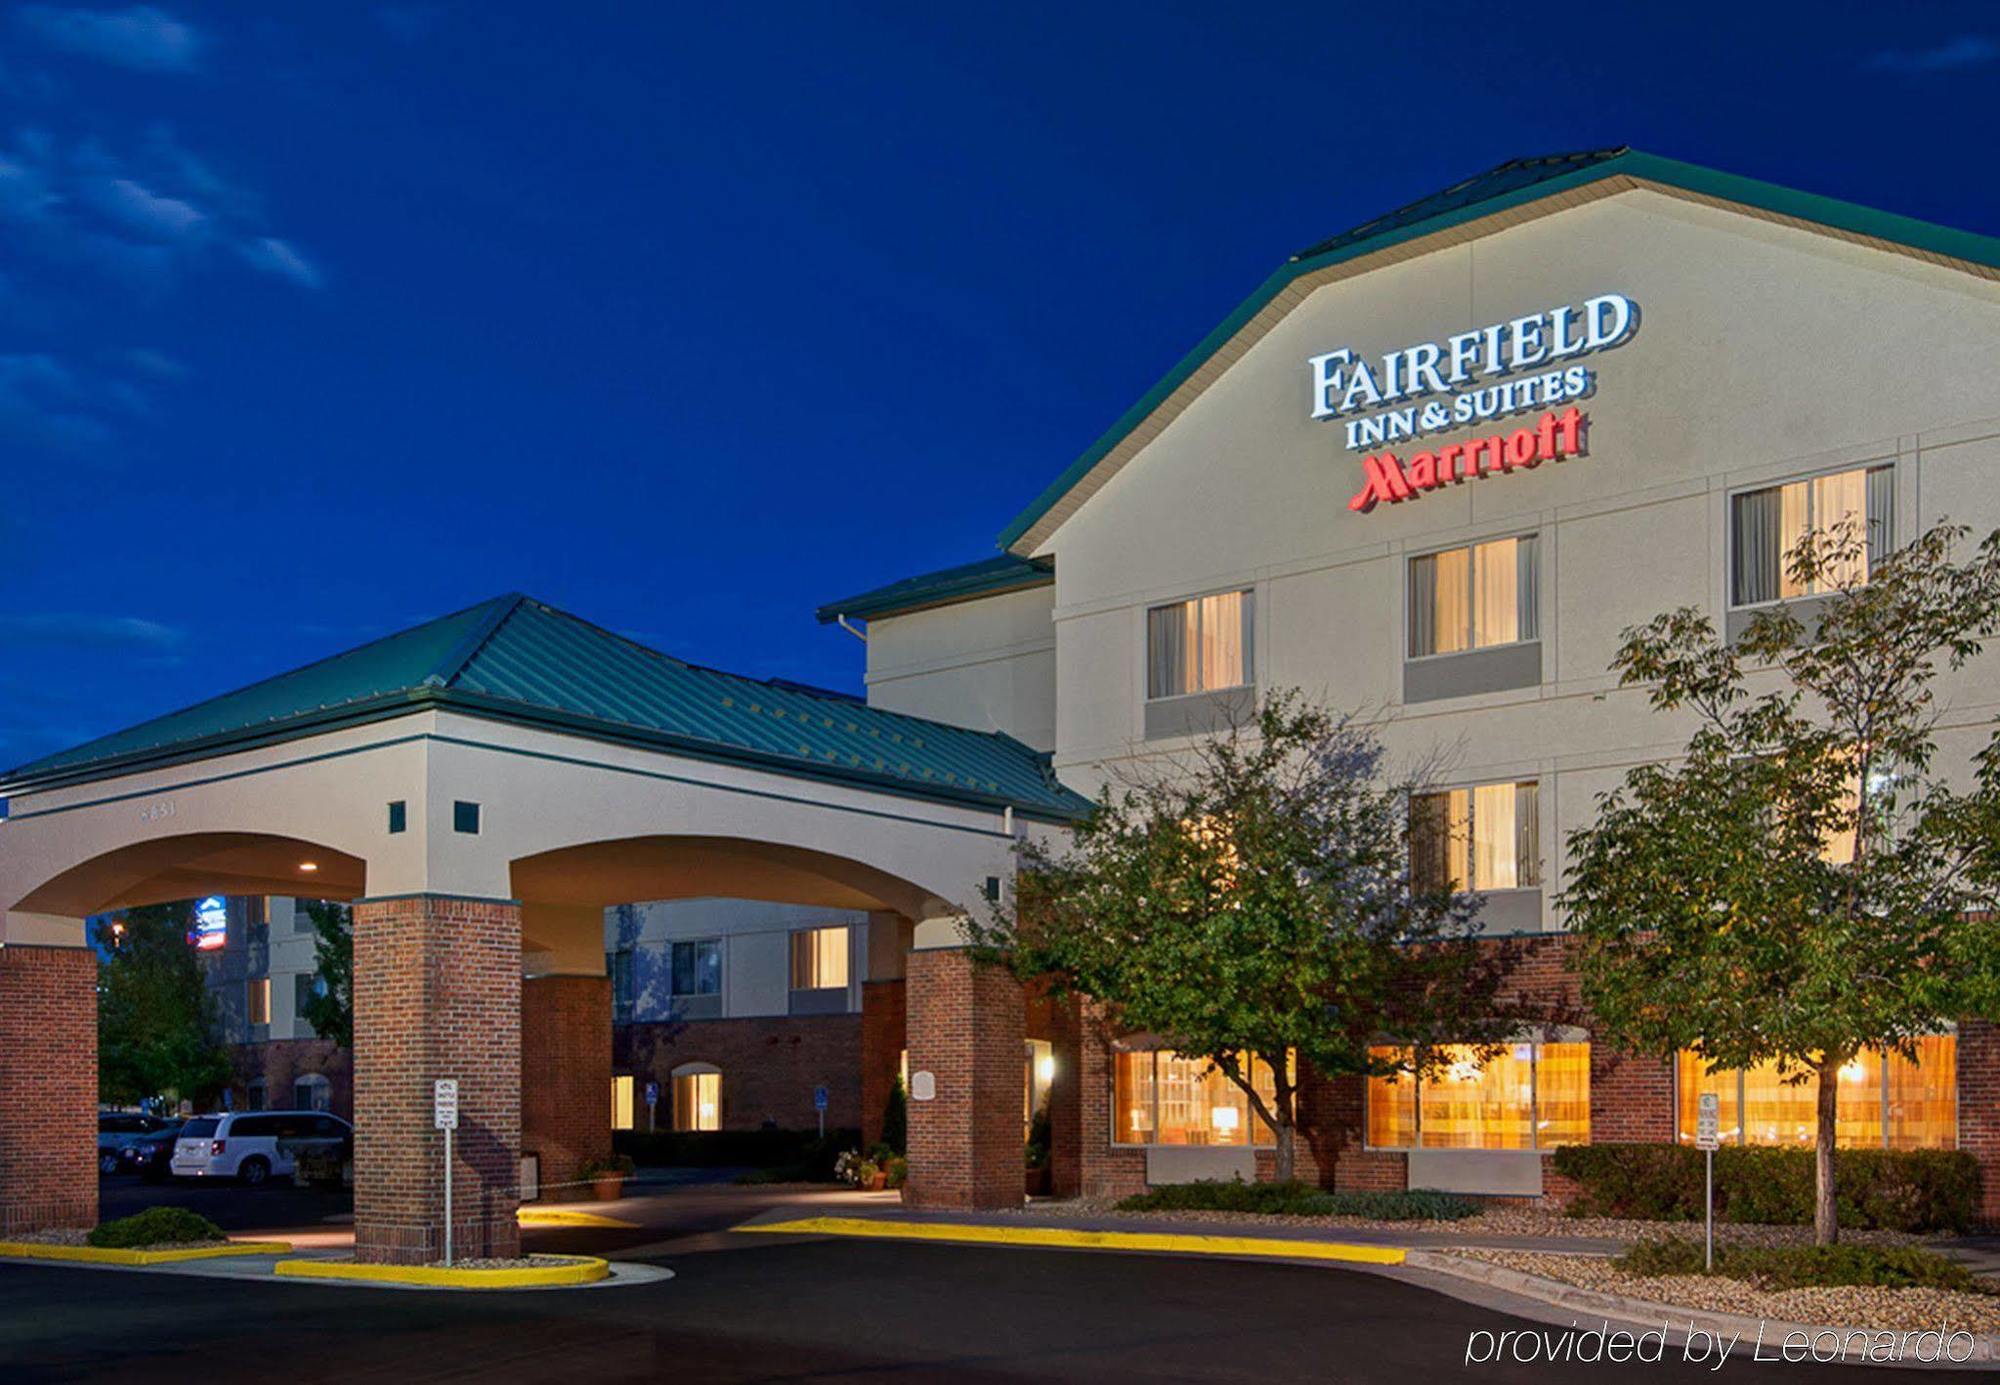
(309,865)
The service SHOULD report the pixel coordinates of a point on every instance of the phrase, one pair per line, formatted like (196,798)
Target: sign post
(819,1105)
(652,1106)
(1707,1121)
(444,1114)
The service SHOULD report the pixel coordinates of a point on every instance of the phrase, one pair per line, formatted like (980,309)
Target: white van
(244,1145)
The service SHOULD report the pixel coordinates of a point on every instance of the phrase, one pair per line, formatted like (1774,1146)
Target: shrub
(1894,1190)
(153,1227)
(1804,1267)
(896,1119)
(1299,1200)
(898,1169)
(618,1165)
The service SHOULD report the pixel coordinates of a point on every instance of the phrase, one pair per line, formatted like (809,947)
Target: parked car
(118,1129)
(324,1158)
(151,1156)
(245,1145)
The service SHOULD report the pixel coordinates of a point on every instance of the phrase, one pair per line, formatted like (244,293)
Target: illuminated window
(1529,1095)
(697,1097)
(257,1000)
(1483,838)
(819,959)
(621,1102)
(1202,645)
(1767,525)
(1885,1101)
(1163,1098)
(1038,1070)
(1474,597)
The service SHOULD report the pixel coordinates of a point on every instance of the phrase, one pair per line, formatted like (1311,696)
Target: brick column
(48,1088)
(1066,1118)
(1979,1109)
(565,1077)
(437,993)
(967,1026)
(884,1025)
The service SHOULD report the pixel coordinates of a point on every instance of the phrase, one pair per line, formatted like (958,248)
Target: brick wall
(884,1035)
(437,993)
(279,1063)
(48,1088)
(565,1077)
(966,1027)
(769,1065)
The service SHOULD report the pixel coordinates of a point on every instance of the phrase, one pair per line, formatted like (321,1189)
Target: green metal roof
(515,659)
(966,582)
(1509,185)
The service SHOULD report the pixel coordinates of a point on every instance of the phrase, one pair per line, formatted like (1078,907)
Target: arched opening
(697,1097)
(164,870)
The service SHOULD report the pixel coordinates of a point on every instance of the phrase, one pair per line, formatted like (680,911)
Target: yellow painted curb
(106,1255)
(550,1216)
(580,1269)
(1172,1243)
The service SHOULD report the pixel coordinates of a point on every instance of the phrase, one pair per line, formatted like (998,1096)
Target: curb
(1050,1237)
(105,1255)
(547,1216)
(1646,1313)
(580,1269)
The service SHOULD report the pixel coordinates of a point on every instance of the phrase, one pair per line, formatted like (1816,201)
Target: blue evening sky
(325,318)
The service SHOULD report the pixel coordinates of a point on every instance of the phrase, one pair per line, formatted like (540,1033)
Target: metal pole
(447,1197)
(1708,1197)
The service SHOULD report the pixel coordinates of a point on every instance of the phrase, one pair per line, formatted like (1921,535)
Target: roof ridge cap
(467,649)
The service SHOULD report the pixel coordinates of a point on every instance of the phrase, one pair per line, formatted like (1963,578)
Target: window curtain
(1528,588)
(1493,845)
(1423,606)
(1881,514)
(1167,640)
(1452,615)
(1837,500)
(1755,526)
(1527,834)
(1495,586)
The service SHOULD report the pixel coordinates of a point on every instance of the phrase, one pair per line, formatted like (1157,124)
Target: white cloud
(1967,50)
(275,256)
(141,37)
(147,213)
(90,631)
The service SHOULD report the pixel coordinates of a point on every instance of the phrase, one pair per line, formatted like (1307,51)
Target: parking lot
(231,1206)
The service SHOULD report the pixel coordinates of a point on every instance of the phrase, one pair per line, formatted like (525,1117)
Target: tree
(158,1034)
(1254,905)
(1800,885)
(330,1008)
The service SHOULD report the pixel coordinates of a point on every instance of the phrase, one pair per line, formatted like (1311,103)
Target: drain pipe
(858,634)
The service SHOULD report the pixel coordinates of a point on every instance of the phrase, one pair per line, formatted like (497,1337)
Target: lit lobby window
(1530,1095)
(697,1097)
(257,1000)
(621,1102)
(1885,1101)
(1162,1098)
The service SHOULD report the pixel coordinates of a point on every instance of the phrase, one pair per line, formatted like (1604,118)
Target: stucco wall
(986,664)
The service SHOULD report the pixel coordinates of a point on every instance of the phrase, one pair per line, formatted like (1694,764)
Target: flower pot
(877,1183)
(608,1187)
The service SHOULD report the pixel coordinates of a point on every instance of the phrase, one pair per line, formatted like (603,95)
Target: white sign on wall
(923,1086)
(1473,377)
(444,1103)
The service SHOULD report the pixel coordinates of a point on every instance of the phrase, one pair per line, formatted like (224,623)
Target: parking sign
(1707,1121)
(444,1103)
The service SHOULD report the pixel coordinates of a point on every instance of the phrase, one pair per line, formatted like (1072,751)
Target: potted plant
(870,1176)
(607,1176)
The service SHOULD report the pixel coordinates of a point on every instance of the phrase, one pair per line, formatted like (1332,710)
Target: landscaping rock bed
(522,1262)
(1900,1310)
(73,1237)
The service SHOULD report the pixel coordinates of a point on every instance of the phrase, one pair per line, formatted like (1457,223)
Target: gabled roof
(966,582)
(1504,196)
(518,660)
